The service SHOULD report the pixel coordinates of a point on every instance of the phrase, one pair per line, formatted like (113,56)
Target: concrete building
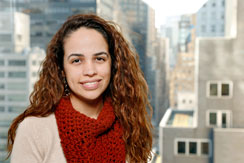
(18,73)
(211,19)
(46,16)
(182,75)
(19,67)
(212,132)
(14,32)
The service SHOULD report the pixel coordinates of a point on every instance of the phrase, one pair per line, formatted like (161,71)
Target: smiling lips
(90,85)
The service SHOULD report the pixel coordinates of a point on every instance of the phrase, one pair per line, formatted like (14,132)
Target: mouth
(90,85)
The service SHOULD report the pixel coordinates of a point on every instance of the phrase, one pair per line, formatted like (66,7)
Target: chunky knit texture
(85,139)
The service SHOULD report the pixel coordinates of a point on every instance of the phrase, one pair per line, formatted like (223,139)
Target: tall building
(46,16)
(18,73)
(182,75)
(14,31)
(137,17)
(213,131)
(19,67)
(211,19)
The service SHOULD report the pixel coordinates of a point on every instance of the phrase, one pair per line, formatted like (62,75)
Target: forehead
(85,40)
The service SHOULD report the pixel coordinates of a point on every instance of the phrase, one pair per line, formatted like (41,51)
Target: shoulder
(38,122)
(38,127)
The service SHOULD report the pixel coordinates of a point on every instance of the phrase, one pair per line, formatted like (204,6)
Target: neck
(90,108)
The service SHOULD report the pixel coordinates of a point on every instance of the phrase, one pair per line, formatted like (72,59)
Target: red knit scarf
(85,139)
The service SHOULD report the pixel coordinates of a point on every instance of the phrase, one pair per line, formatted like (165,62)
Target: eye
(100,59)
(76,61)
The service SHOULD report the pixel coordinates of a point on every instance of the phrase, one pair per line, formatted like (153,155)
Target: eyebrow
(81,55)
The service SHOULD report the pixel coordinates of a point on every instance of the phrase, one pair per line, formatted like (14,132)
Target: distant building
(213,131)
(211,19)
(182,75)
(18,73)
(19,66)
(14,31)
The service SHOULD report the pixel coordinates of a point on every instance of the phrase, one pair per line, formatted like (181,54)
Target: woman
(90,102)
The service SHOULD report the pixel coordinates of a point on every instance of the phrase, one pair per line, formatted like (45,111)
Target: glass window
(213,89)
(1,62)
(2,97)
(17,109)
(225,90)
(224,120)
(1,74)
(204,148)
(16,62)
(181,147)
(17,74)
(193,147)
(1,108)
(19,97)
(213,28)
(203,28)
(17,86)
(223,3)
(2,86)
(213,118)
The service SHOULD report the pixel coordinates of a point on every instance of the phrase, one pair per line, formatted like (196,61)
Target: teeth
(90,84)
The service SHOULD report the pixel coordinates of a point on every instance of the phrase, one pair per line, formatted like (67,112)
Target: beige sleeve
(27,147)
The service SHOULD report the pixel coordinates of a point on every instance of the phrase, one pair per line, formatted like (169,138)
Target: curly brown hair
(127,88)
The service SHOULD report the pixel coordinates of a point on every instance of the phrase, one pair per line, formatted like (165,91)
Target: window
(17,74)
(2,97)
(1,108)
(181,147)
(219,118)
(213,118)
(17,86)
(204,148)
(219,89)
(213,89)
(2,86)
(16,109)
(225,90)
(192,146)
(203,28)
(223,3)
(1,74)
(1,62)
(213,4)
(16,63)
(213,28)
(19,98)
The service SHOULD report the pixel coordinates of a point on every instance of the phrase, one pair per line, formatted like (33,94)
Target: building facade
(213,131)
(211,19)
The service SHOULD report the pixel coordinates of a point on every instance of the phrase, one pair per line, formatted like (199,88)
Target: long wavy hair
(127,89)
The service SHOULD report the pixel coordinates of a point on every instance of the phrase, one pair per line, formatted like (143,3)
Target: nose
(89,69)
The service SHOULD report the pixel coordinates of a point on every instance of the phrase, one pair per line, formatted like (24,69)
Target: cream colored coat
(37,141)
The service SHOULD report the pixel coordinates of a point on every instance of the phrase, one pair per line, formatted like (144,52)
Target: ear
(63,74)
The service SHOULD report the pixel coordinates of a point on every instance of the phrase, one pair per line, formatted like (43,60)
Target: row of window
(219,118)
(194,147)
(14,74)
(20,98)
(212,28)
(214,4)
(219,89)
(15,109)
(14,63)
(14,86)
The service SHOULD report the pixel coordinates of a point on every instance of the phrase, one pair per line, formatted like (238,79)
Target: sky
(165,8)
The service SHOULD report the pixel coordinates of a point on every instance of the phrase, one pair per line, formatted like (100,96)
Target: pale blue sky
(164,8)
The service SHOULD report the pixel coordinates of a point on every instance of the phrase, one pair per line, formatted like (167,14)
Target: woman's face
(87,64)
